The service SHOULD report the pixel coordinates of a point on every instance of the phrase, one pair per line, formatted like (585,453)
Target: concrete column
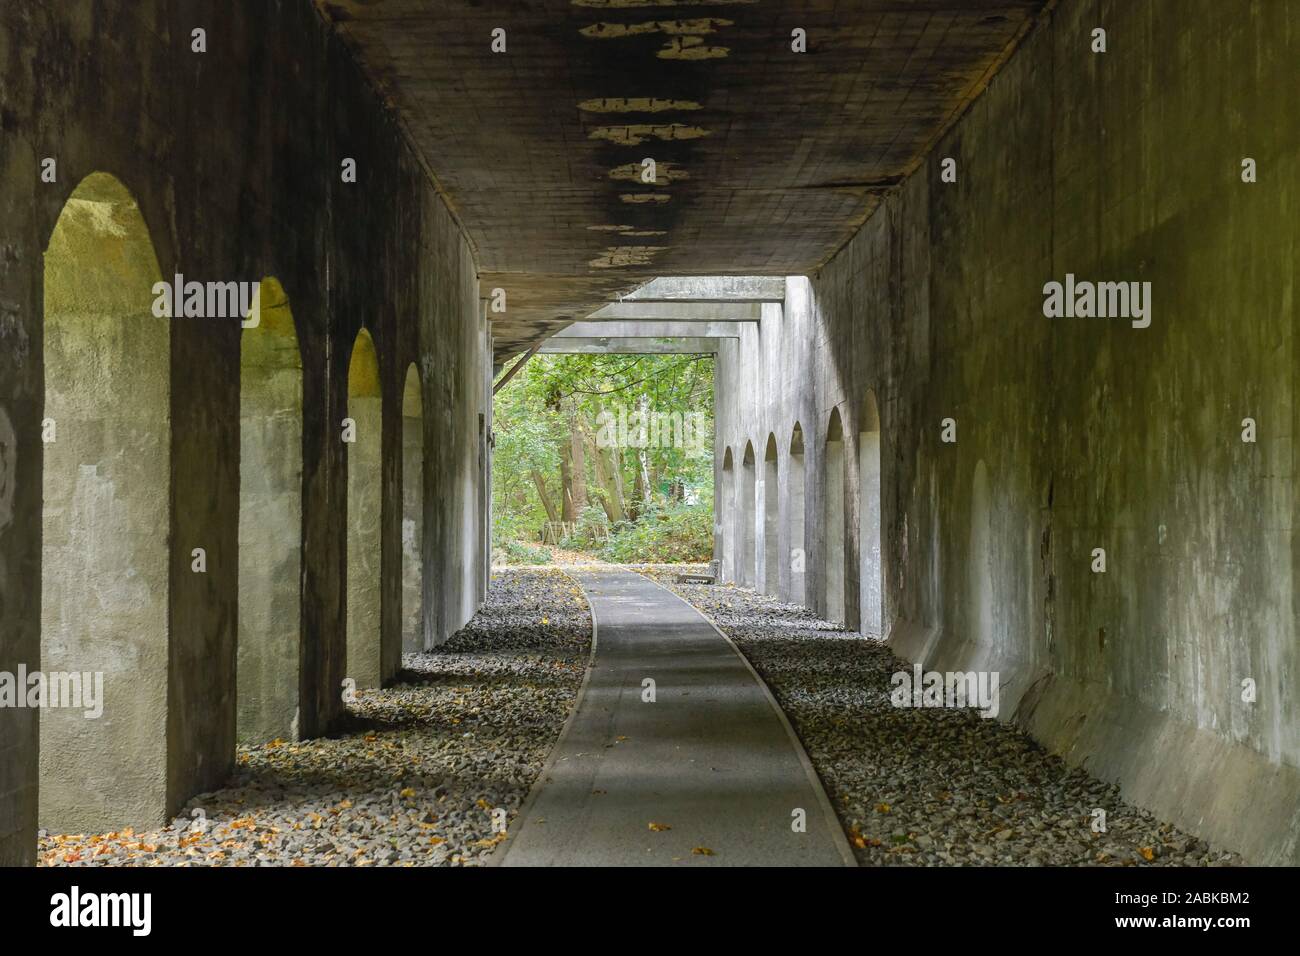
(365,489)
(270,524)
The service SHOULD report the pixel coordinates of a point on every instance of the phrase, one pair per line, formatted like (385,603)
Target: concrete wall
(1075,434)
(412,515)
(269,641)
(233,157)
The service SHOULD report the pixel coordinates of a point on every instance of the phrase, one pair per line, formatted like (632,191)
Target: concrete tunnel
(999,302)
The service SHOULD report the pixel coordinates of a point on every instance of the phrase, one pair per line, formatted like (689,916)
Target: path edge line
(828,810)
(499,855)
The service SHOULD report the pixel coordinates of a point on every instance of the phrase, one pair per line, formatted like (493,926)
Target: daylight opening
(604,458)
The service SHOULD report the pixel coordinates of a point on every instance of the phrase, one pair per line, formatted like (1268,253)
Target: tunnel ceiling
(768,160)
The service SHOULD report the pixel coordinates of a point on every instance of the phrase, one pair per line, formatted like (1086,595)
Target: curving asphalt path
(712,762)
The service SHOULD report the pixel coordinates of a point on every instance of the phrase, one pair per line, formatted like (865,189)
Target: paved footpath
(711,763)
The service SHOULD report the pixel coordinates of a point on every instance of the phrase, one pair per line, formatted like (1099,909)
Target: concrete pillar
(770,522)
(745,490)
(796,502)
(365,409)
(833,529)
(870,576)
(106,520)
(412,515)
(270,523)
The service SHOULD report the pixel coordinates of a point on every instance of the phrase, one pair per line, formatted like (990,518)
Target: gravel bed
(416,776)
(928,786)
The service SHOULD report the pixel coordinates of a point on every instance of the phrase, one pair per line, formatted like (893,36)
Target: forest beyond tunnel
(615,432)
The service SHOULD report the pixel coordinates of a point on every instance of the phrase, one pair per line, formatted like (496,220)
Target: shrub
(668,534)
(519,553)
(592,528)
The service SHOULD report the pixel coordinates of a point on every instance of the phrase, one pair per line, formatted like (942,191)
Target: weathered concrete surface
(710,760)
(233,157)
(104,576)
(571,345)
(413,635)
(1089,433)
(365,501)
(269,645)
(767,159)
(677,312)
(710,289)
(650,329)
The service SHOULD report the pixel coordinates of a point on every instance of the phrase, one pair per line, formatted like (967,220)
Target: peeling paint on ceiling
(787,153)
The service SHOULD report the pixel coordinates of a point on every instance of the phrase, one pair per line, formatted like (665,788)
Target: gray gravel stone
(976,791)
(414,777)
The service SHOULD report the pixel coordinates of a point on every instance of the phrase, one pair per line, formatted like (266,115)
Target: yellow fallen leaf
(882,808)
(658,827)
(407,792)
(702,851)
(1148,854)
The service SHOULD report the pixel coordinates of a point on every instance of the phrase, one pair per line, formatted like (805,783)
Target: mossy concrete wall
(233,156)
(105,487)
(270,522)
(1077,434)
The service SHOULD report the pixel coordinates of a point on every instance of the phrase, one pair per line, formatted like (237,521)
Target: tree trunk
(578,462)
(611,487)
(543,494)
(616,465)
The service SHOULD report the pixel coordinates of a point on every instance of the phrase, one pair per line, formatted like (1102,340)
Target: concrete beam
(678,312)
(606,345)
(711,289)
(648,330)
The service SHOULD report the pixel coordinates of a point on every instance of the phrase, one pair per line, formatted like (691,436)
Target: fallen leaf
(702,851)
(658,827)
(1148,854)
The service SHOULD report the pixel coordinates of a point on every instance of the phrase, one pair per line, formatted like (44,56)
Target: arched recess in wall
(980,559)
(769,528)
(745,518)
(365,488)
(724,521)
(105,520)
(270,520)
(833,530)
(413,636)
(870,569)
(795,482)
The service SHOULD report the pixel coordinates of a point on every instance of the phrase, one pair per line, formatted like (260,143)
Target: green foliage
(519,553)
(661,492)
(676,533)
(592,530)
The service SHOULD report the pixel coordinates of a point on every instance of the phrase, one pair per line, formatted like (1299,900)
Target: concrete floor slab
(712,761)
